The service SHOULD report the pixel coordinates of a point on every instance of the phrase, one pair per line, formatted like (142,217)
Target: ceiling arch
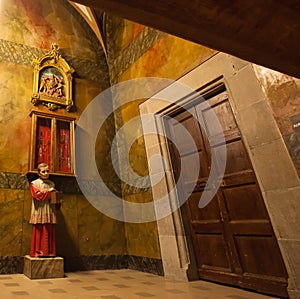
(89,16)
(263,32)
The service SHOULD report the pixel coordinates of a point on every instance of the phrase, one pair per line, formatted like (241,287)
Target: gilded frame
(52,81)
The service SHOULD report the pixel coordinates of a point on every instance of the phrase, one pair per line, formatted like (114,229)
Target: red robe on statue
(43,219)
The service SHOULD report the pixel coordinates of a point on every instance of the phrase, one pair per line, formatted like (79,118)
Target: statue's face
(44,173)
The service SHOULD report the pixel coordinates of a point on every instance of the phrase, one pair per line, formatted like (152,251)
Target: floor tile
(13,284)
(57,291)
(237,297)
(20,293)
(91,288)
(116,284)
(175,291)
(144,294)
(44,282)
(120,286)
(102,278)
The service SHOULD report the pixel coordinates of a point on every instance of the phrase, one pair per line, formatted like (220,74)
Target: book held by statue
(56,197)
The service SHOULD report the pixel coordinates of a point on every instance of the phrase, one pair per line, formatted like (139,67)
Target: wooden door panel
(226,120)
(237,158)
(250,228)
(212,252)
(189,166)
(206,220)
(227,125)
(232,236)
(252,253)
(244,203)
(208,213)
(185,122)
(234,179)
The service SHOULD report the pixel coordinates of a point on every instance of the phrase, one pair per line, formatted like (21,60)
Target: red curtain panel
(63,151)
(43,141)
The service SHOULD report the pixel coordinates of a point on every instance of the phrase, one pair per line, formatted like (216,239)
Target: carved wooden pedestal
(47,267)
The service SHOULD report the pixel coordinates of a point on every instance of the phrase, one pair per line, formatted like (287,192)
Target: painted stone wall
(135,51)
(278,161)
(85,237)
(283,93)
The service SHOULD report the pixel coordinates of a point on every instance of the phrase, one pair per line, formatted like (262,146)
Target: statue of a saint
(43,217)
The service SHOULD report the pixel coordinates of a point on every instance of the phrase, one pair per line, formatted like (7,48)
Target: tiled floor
(116,284)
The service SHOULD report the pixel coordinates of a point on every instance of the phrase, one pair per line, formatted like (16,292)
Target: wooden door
(232,236)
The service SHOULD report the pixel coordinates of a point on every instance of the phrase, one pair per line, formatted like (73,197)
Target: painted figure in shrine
(52,85)
(43,217)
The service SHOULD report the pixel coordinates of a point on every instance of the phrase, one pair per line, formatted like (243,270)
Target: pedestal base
(43,267)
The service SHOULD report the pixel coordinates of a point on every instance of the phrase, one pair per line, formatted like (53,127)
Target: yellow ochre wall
(27,30)
(134,52)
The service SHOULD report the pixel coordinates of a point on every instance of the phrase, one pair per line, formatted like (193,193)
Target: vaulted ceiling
(265,32)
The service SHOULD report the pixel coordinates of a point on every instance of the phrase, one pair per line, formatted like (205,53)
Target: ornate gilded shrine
(52,82)
(52,135)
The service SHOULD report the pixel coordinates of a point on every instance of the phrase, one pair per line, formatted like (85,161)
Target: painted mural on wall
(27,30)
(283,93)
(38,24)
(120,34)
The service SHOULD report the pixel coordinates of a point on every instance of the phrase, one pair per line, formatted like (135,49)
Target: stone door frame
(278,181)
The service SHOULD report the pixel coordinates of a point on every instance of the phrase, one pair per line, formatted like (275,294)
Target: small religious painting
(52,85)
